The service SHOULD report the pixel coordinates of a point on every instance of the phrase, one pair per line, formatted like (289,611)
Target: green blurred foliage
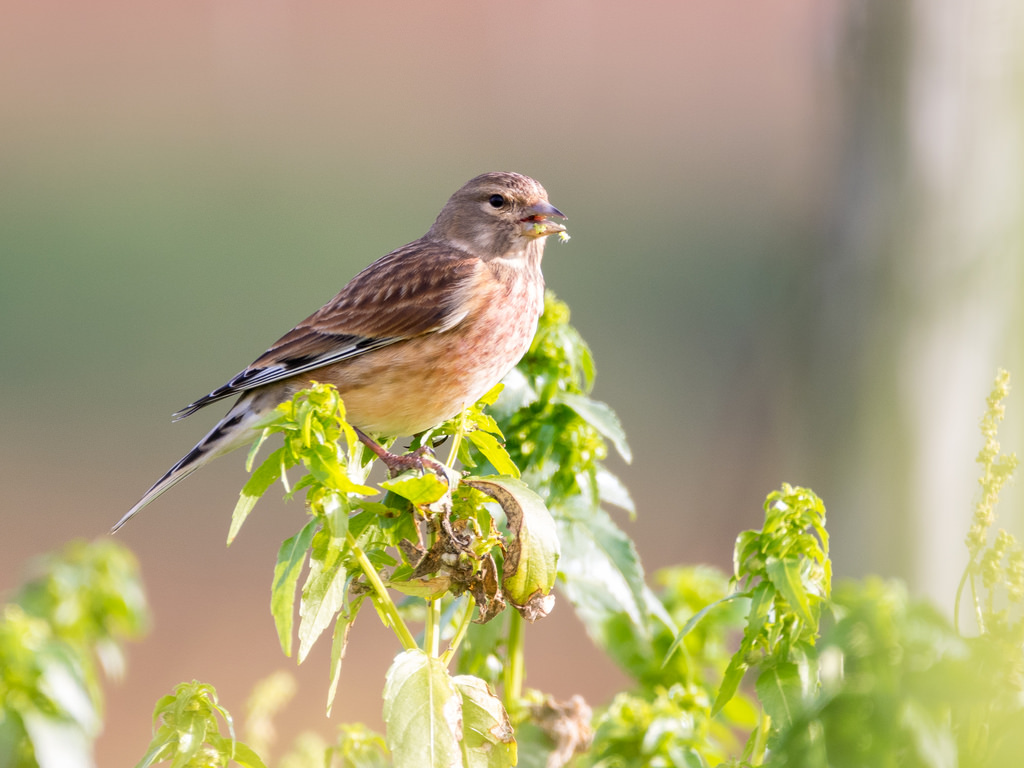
(899,687)
(188,733)
(64,626)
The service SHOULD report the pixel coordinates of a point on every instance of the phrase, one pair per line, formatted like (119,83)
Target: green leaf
(494,452)
(781,693)
(335,509)
(603,574)
(762,604)
(254,449)
(290,558)
(190,735)
(531,558)
(492,394)
(785,577)
(488,738)
(245,505)
(158,751)
(612,490)
(423,713)
(326,466)
(356,747)
(427,588)
(601,417)
(730,682)
(338,646)
(245,756)
(257,484)
(535,746)
(420,489)
(323,595)
(694,620)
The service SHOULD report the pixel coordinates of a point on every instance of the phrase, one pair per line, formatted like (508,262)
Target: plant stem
(460,433)
(514,667)
(460,633)
(977,605)
(432,630)
(381,597)
(959,594)
(764,724)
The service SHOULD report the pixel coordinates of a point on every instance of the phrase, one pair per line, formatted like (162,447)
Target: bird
(414,338)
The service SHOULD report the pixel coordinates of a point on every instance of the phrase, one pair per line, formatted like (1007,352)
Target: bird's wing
(420,288)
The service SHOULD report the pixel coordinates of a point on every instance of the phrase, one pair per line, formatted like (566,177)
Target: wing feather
(418,289)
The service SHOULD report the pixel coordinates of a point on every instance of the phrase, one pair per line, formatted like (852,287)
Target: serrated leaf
(257,484)
(531,559)
(423,713)
(780,692)
(290,558)
(730,683)
(612,490)
(785,577)
(761,602)
(603,574)
(476,419)
(492,394)
(323,596)
(243,507)
(488,738)
(338,645)
(518,393)
(325,465)
(601,417)
(494,452)
(420,490)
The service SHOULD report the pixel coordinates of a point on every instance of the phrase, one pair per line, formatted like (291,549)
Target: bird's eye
(497,201)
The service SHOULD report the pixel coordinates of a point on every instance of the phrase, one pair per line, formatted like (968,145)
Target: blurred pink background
(182,182)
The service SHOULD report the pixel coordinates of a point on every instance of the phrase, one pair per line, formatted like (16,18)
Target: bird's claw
(422,459)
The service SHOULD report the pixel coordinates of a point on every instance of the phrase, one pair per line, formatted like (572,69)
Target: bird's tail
(231,432)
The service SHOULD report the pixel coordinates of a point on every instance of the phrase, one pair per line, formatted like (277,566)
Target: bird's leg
(397,463)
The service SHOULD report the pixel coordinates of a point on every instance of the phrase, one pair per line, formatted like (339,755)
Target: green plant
(768,666)
(449,550)
(187,732)
(66,624)
(867,676)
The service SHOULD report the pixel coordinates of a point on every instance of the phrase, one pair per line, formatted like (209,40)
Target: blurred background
(796,252)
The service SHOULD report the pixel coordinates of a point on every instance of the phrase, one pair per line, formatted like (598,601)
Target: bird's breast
(415,384)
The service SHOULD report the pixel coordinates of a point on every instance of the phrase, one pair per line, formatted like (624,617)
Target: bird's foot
(421,459)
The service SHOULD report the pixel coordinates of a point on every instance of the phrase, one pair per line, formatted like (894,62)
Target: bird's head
(497,214)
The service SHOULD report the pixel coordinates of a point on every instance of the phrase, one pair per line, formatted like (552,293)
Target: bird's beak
(536,224)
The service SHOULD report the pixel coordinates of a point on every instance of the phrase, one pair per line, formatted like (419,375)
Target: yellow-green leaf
(423,713)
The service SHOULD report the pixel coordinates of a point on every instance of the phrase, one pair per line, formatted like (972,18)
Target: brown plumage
(415,337)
